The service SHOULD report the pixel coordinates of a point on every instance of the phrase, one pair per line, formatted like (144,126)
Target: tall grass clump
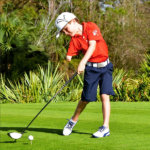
(40,86)
(73,90)
(133,89)
(119,78)
(143,88)
(33,87)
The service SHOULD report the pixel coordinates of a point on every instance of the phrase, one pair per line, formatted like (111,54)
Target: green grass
(129,126)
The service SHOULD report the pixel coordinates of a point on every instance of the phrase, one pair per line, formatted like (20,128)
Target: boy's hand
(81,68)
(88,54)
(68,58)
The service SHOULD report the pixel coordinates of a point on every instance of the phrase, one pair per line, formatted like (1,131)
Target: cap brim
(57,35)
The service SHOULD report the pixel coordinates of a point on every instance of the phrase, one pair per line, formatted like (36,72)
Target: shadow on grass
(46,130)
(8,142)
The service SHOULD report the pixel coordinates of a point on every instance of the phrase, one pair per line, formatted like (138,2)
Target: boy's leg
(71,123)
(80,107)
(106,109)
(104,130)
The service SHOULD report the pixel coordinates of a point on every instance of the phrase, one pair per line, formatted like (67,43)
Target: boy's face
(70,28)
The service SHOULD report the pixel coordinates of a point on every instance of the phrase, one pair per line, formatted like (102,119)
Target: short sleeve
(93,32)
(72,50)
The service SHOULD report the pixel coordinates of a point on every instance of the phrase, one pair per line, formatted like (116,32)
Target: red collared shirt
(81,43)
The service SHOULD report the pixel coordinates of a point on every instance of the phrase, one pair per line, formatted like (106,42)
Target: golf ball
(30,137)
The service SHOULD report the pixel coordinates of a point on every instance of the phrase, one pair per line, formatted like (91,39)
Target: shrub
(33,87)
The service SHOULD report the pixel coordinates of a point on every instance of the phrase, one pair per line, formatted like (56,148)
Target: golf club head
(15,135)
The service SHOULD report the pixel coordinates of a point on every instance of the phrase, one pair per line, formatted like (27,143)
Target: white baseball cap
(62,20)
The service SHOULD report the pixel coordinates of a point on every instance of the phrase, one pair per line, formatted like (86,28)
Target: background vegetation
(32,61)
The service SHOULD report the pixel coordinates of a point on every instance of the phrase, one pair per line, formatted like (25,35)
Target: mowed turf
(129,127)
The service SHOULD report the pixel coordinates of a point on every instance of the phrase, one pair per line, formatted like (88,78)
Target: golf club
(15,135)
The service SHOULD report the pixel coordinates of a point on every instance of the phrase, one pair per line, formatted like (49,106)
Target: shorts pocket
(110,67)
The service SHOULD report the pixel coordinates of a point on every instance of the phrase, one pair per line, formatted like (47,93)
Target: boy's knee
(104,97)
(84,102)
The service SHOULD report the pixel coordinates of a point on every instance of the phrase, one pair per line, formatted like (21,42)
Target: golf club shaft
(50,101)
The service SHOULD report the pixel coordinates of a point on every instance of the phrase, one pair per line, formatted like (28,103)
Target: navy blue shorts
(97,76)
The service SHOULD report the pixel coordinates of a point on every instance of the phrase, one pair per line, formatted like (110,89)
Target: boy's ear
(73,20)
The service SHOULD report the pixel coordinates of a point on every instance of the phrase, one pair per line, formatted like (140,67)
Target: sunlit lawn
(129,126)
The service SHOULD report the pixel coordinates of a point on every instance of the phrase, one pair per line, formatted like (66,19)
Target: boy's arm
(72,51)
(88,54)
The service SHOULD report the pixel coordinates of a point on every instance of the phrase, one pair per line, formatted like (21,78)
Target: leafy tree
(16,39)
(124,29)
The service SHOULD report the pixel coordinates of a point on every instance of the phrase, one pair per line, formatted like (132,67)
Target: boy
(95,62)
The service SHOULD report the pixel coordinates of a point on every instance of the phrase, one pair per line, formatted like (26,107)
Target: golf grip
(50,101)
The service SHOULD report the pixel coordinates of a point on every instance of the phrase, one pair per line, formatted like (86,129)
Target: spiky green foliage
(33,87)
(145,66)
(137,89)
(143,88)
(73,91)
(119,77)
(40,86)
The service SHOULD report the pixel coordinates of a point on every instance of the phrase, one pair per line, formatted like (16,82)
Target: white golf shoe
(68,127)
(102,132)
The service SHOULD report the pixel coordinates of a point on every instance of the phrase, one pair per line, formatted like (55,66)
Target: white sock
(73,121)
